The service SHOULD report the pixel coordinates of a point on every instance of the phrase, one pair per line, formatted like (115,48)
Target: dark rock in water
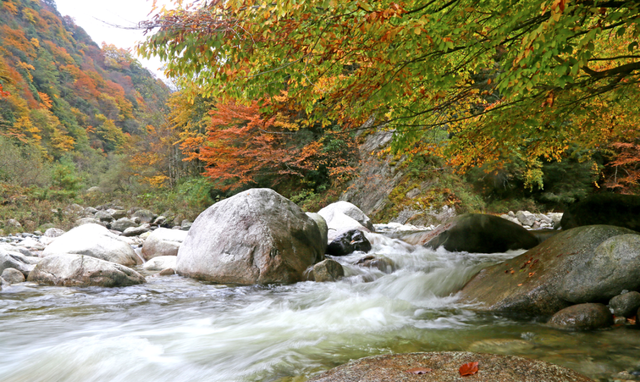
(538,282)
(348,242)
(582,317)
(82,271)
(480,233)
(610,209)
(254,237)
(327,270)
(445,366)
(625,305)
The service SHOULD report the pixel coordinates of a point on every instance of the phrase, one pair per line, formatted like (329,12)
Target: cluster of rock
(530,220)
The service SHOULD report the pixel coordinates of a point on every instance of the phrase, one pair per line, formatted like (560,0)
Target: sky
(94,17)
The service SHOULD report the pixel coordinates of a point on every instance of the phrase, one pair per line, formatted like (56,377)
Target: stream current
(177,329)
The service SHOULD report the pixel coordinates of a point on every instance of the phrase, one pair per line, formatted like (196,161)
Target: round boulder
(145,216)
(445,366)
(93,240)
(333,215)
(625,305)
(82,271)
(122,224)
(327,270)
(582,317)
(480,233)
(256,236)
(163,242)
(12,276)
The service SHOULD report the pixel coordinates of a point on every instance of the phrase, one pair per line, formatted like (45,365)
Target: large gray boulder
(81,271)
(334,215)
(93,240)
(479,233)
(256,236)
(445,366)
(538,282)
(163,242)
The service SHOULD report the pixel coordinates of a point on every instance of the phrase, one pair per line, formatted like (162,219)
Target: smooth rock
(167,272)
(145,216)
(256,236)
(90,211)
(526,218)
(529,284)
(13,223)
(582,317)
(382,264)
(15,260)
(163,242)
(478,233)
(93,240)
(161,262)
(613,266)
(327,270)
(348,242)
(625,305)
(322,225)
(347,209)
(136,231)
(12,276)
(85,221)
(341,223)
(117,214)
(103,216)
(53,232)
(81,271)
(445,368)
(122,224)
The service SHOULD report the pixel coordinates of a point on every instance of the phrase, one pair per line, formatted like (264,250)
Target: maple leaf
(469,369)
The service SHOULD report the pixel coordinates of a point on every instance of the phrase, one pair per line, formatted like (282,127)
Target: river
(177,329)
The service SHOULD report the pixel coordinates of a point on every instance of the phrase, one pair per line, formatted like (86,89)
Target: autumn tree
(475,81)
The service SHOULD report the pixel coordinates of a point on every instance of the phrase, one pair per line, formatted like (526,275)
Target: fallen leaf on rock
(632,320)
(469,369)
(419,370)
(519,284)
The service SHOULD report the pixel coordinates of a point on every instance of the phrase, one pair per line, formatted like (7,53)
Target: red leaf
(469,369)
(419,370)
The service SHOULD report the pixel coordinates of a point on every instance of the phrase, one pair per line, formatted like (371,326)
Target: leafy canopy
(500,78)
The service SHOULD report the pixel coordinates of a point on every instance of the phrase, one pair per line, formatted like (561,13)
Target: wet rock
(256,236)
(145,216)
(531,284)
(334,210)
(582,317)
(95,241)
(606,208)
(348,242)
(12,276)
(613,266)
(136,231)
(327,270)
(163,242)
(479,233)
(53,232)
(161,262)
(445,367)
(625,305)
(382,264)
(167,272)
(322,225)
(81,271)
(122,224)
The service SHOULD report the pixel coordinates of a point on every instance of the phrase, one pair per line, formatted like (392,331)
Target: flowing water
(176,329)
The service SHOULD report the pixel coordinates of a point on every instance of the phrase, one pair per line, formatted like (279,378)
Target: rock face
(81,271)
(610,209)
(479,233)
(256,236)
(333,214)
(536,282)
(625,305)
(445,368)
(582,317)
(93,240)
(327,270)
(163,242)
(348,242)
(322,225)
